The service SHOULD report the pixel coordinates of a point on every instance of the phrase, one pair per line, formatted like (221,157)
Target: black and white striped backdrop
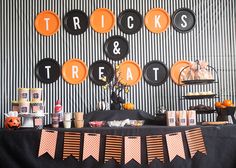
(21,47)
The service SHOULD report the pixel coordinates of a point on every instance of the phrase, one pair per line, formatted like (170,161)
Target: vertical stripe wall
(21,47)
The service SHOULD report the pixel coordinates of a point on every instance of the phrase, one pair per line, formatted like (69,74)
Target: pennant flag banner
(91,146)
(48,143)
(155,148)
(133,148)
(71,145)
(195,141)
(114,145)
(175,145)
(113,148)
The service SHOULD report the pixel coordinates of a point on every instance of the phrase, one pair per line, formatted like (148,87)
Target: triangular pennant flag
(71,145)
(195,141)
(91,146)
(175,145)
(155,148)
(113,148)
(48,143)
(133,148)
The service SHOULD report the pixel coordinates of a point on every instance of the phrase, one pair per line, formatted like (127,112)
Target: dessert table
(19,148)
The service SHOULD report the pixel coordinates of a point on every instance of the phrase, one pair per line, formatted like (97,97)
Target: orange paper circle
(157,20)
(102,20)
(47,23)
(129,73)
(74,71)
(177,68)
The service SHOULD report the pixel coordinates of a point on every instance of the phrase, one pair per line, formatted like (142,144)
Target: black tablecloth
(19,149)
(110,115)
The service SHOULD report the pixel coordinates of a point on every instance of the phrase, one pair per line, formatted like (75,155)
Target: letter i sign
(47,23)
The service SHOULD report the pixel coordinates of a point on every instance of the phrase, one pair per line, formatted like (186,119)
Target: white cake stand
(28,119)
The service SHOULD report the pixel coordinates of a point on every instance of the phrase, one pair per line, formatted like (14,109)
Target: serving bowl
(97,123)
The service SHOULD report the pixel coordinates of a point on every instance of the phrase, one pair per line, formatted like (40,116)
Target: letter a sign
(129,73)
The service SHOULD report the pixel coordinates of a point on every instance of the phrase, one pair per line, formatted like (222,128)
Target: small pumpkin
(12,122)
(128,106)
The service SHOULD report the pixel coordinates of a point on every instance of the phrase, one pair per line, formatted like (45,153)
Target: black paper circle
(76,22)
(183,20)
(130,21)
(116,47)
(47,70)
(155,73)
(99,69)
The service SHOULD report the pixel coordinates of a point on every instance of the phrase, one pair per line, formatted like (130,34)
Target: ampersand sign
(116,47)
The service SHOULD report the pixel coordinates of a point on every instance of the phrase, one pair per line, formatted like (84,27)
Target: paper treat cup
(79,123)
(67,124)
(171,118)
(15,106)
(55,120)
(36,106)
(23,94)
(191,117)
(24,107)
(79,116)
(38,122)
(36,94)
(67,116)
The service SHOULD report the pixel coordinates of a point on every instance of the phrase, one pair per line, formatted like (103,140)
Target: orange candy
(218,104)
(227,103)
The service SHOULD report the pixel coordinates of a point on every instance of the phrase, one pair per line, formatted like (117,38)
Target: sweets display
(181,118)
(32,113)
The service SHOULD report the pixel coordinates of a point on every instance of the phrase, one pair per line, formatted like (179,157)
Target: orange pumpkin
(227,103)
(12,122)
(218,104)
(128,106)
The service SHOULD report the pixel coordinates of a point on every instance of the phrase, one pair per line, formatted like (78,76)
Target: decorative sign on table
(47,70)
(157,20)
(183,20)
(100,69)
(130,73)
(116,47)
(76,22)
(102,20)
(130,21)
(47,23)
(155,73)
(74,71)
